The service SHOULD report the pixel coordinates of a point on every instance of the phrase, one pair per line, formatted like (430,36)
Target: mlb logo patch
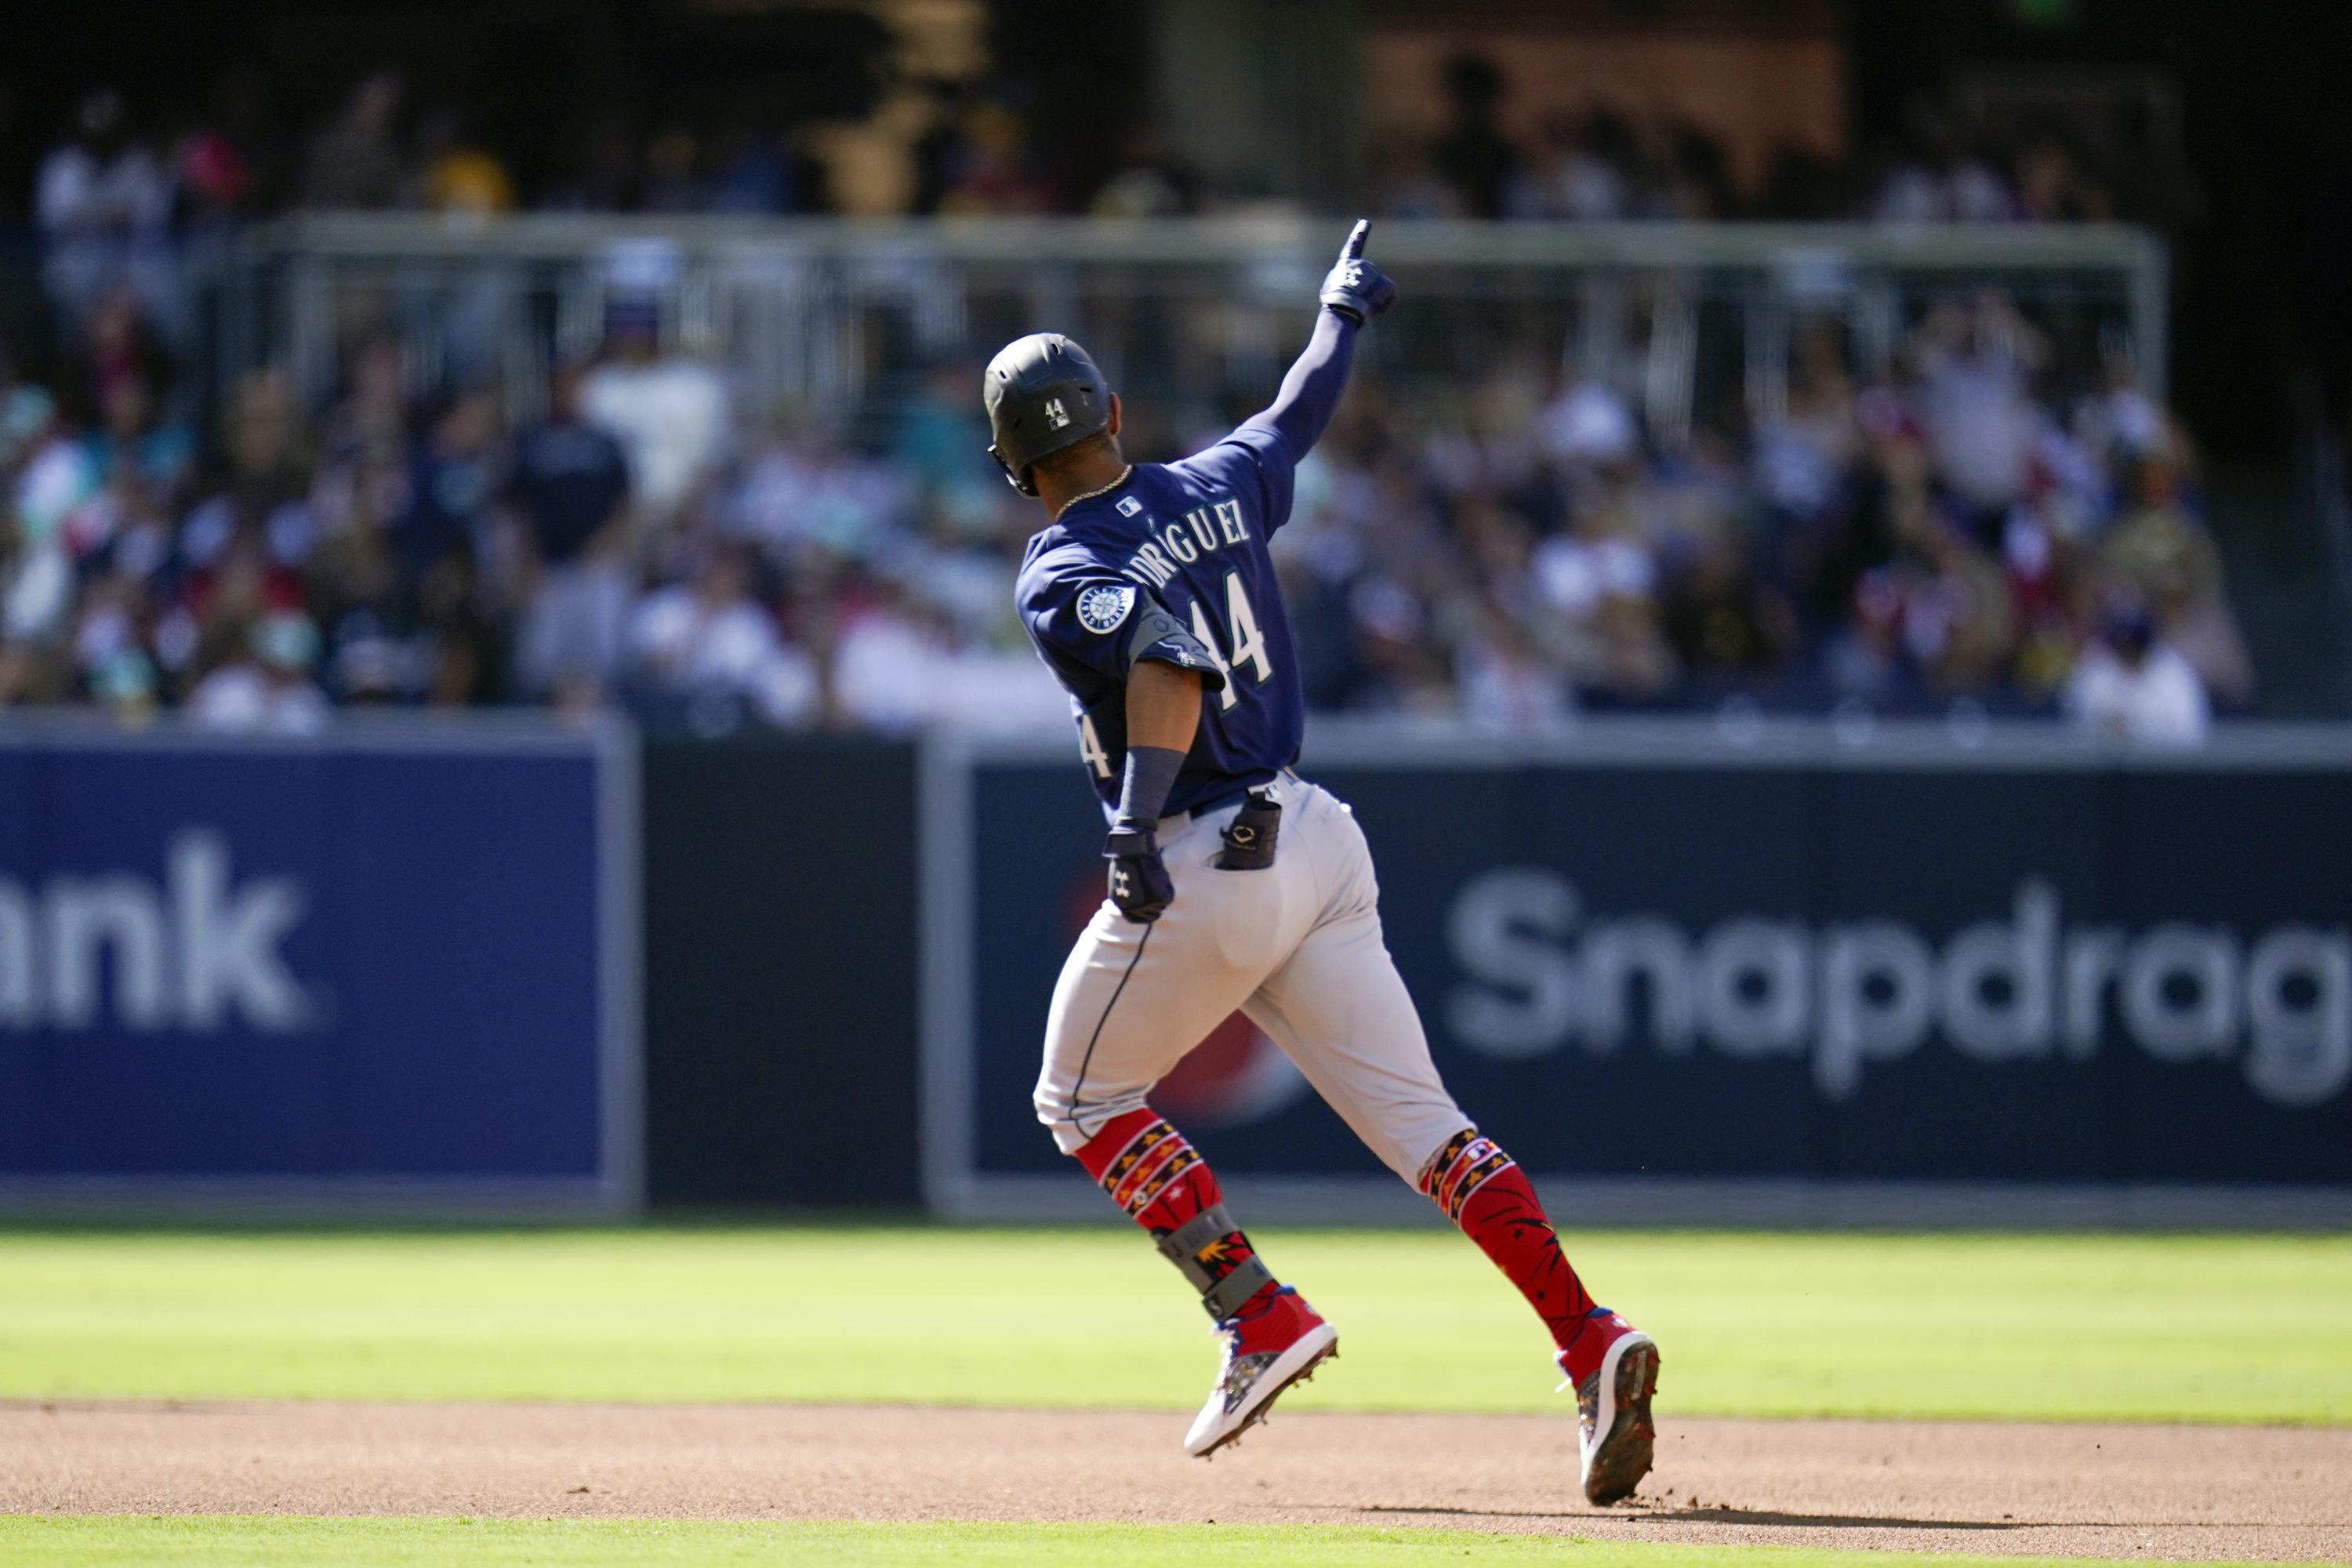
(1129,506)
(1055,415)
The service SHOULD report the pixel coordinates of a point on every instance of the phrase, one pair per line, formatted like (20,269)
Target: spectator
(713,637)
(1723,625)
(1974,360)
(2132,686)
(569,484)
(264,485)
(101,176)
(458,645)
(1685,175)
(267,690)
(2051,189)
(355,162)
(214,177)
(669,414)
(1803,453)
(755,173)
(1507,682)
(451,481)
(461,178)
(136,448)
(2169,560)
(103,206)
(1150,181)
(1959,620)
(994,172)
(1596,596)
(1589,427)
(811,499)
(673,173)
(598,168)
(1472,154)
(1582,173)
(1938,179)
(888,668)
(1412,186)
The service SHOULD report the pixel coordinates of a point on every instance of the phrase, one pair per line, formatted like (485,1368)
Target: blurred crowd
(1602,163)
(1941,539)
(1949,537)
(1968,531)
(113,172)
(972,150)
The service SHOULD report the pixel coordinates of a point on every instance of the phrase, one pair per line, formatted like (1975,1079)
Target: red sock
(1153,1172)
(1483,1191)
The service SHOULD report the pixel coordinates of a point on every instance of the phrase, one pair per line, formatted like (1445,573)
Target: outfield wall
(1795,973)
(1764,972)
(781,972)
(389,963)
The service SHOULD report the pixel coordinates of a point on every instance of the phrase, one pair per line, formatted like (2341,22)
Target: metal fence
(1689,321)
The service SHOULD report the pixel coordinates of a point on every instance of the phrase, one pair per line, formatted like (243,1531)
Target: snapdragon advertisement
(2090,973)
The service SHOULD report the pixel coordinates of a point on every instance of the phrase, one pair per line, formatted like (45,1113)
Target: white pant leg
(1133,999)
(1339,1008)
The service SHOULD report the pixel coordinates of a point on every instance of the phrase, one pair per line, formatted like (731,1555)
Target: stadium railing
(829,313)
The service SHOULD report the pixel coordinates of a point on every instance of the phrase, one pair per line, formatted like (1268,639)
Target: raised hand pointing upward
(1355,288)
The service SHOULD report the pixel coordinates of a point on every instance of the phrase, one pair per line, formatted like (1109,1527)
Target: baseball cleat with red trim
(1615,1375)
(1271,1343)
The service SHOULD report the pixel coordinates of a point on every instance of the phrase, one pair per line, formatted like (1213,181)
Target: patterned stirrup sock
(1483,1191)
(1160,1179)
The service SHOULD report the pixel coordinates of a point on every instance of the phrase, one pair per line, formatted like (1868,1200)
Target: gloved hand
(1139,884)
(1355,288)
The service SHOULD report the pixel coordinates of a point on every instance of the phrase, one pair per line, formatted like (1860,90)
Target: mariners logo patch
(1104,606)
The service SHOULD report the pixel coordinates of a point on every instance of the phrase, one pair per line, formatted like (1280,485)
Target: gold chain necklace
(1090,495)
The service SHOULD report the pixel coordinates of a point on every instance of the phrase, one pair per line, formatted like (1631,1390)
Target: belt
(1176,822)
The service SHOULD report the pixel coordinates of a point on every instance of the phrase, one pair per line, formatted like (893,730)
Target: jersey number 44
(1243,646)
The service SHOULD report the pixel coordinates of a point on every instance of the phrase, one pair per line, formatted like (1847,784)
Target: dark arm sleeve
(1311,391)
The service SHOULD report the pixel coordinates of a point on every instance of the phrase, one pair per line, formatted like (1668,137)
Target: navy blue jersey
(1193,535)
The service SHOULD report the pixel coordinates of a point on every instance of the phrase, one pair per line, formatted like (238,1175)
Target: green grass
(2132,1327)
(214,1541)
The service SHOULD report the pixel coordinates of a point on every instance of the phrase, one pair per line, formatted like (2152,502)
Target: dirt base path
(2117,1491)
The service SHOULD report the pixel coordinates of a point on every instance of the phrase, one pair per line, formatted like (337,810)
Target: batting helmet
(1042,394)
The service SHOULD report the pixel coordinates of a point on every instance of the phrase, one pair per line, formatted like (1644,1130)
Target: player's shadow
(1830,1521)
(1715,1516)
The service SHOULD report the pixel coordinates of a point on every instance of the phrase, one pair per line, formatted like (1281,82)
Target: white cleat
(1613,1407)
(1282,1345)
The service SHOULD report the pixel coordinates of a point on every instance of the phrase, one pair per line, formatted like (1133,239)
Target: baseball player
(1235,883)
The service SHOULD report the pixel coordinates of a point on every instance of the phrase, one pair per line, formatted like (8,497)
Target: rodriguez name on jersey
(1217,526)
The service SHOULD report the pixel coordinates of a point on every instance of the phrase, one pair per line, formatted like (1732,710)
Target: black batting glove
(1139,884)
(1355,288)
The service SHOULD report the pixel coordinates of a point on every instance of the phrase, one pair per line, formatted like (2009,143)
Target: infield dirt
(2184,1492)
